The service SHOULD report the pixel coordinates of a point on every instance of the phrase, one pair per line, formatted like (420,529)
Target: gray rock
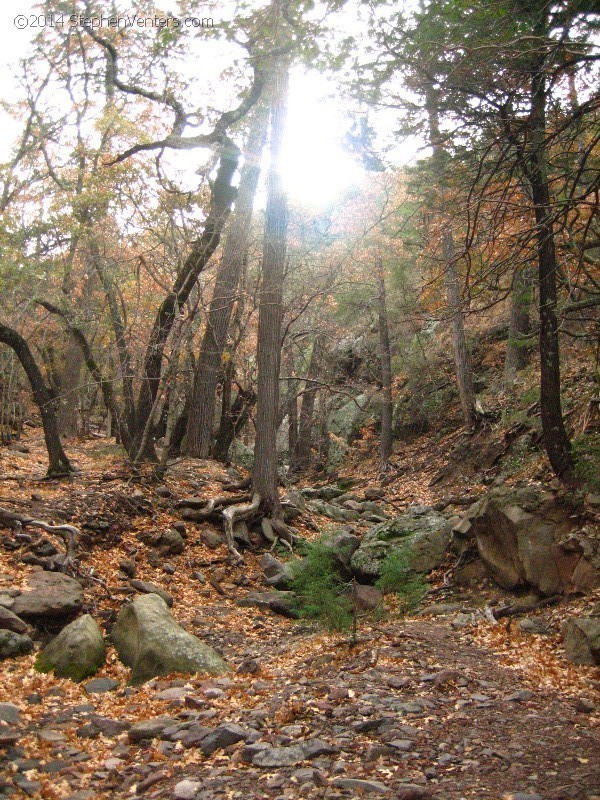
(127,566)
(186,789)
(9,713)
(211,539)
(581,639)
(14,644)
(422,538)
(344,545)
(278,602)
(148,640)
(150,728)
(277,573)
(151,588)
(535,625)
(52,594)
(171,543)
(221,737)
(101,686)
(356,785)
(10,622)
(77,652)
(274,757)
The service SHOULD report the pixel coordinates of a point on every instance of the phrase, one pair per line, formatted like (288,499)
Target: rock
(440,609)
(9,713)
(374,494)
(344,545)
(100,686)
(275,757)
(222,737)
(278,602)
(581,639)
(127,567)
(535,625)
(360,786)
(332,511)
(412,791)
(277,574)
(151,588)
(527,537)
(186,790)
(14,644)
(171,543)
(150,728)
(422,538)
(148,640)
(366,598)
(241,455)
(77,652)
(52,595)
(10,622)
(211,539)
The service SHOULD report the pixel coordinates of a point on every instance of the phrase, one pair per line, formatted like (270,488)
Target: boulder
(14,644)
(343,545)
(278,602)
(171,543)
(148,640)
(10,621)
(77,652)
(276,573)
(581,639)
(332,510)
(422,536)
(146,587)
(365,598)
(528,537)
(52,594)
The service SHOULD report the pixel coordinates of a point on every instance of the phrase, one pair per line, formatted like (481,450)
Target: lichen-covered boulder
(148,640)
(77,652)
(421,535)
(14,644)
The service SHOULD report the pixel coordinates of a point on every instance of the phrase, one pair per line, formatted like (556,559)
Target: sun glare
(315,167)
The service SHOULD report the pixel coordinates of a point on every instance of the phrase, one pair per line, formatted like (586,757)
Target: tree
(264,473)
(59,464)
(199,433)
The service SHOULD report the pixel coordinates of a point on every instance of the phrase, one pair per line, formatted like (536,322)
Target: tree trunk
(59,464)
(464,375)
(462,364)
(264,473)
(68,380)
(307,409)
(232,422)
(385,445)
(518,327)
(556,440)
(199,432)
(222,197)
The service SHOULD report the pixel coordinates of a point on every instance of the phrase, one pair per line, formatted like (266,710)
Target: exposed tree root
(237,513)
(68,533)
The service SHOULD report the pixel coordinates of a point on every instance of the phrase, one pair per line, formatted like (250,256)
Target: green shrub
(396,576)
(320,589)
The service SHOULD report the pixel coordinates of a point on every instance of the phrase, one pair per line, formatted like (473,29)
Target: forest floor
(426,706)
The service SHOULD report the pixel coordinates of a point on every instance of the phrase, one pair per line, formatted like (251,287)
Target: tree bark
(222,197)
(233,421)
(307,409)
(464,376)
(385,444)
(518,327)
(68,380)
(59,464)
(199,434)
(264,473)
(557,443)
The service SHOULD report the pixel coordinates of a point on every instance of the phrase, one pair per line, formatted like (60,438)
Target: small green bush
(396,576)
(321,590)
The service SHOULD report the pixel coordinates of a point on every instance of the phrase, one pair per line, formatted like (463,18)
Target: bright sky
(316,167)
